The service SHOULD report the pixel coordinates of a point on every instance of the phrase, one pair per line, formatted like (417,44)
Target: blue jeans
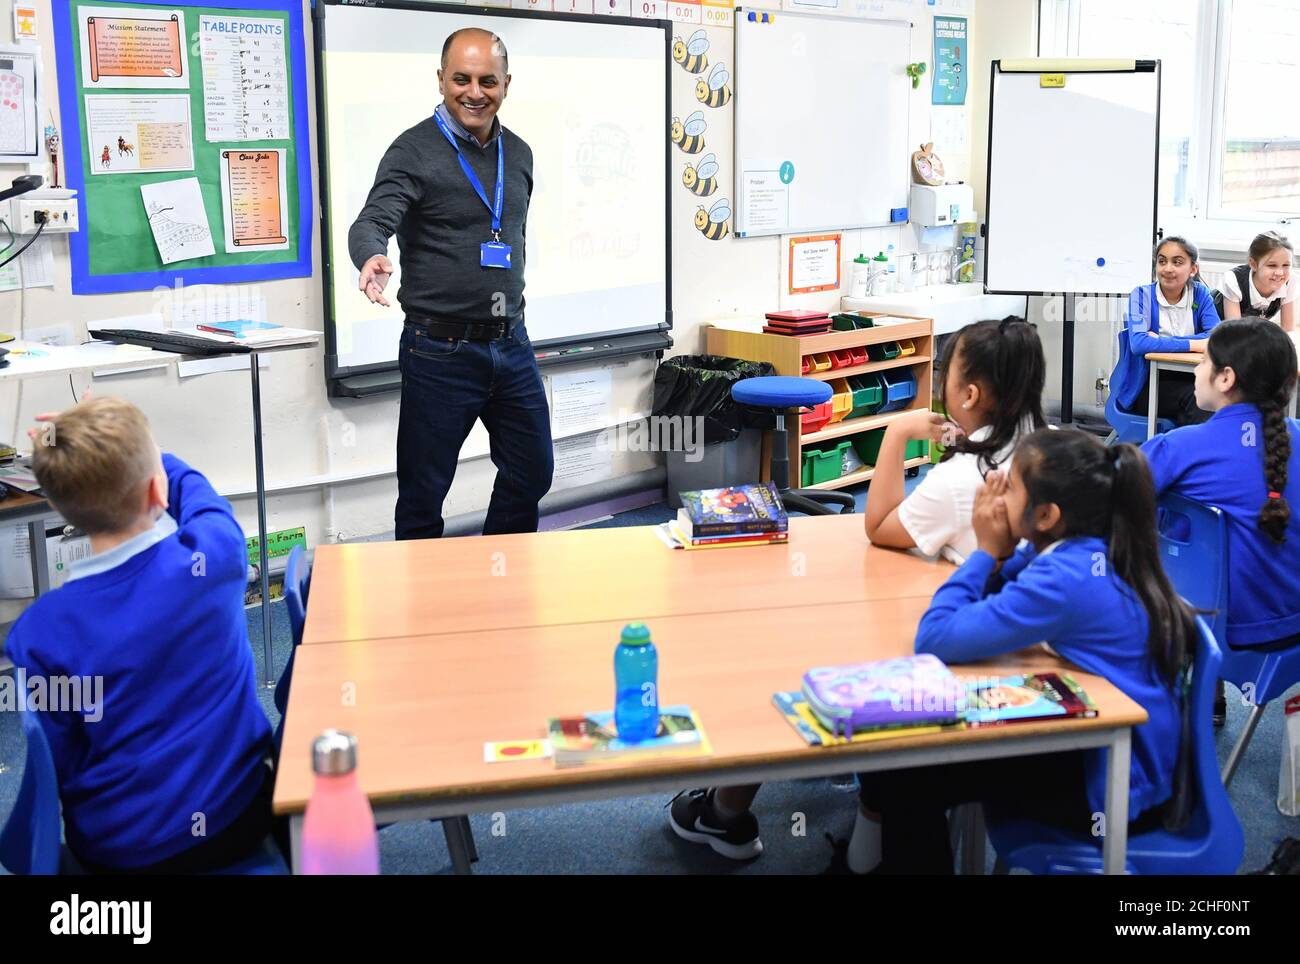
(447,384)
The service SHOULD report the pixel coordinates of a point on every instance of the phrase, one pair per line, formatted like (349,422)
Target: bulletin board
(139,92)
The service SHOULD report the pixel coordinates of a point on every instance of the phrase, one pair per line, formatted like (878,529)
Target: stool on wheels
(780,395)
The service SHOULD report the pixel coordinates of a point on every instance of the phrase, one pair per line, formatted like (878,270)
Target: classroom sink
(951,306)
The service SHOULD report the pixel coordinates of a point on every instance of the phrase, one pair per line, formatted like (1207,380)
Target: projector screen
(588,94)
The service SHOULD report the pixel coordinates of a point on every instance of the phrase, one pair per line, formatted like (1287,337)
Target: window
(1229,139)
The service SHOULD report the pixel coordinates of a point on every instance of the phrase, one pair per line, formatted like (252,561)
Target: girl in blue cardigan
(1088,581)
(1246,461)
(1173,314)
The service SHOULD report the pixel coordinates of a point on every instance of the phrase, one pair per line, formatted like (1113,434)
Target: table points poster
(245,79)
(130,134)
(254,200)
(133,47)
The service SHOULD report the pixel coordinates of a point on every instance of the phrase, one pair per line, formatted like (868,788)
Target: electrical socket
(60,215)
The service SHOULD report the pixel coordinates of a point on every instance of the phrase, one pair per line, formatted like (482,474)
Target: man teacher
(455,190)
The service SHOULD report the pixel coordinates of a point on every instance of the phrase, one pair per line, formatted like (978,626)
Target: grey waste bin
(723,463)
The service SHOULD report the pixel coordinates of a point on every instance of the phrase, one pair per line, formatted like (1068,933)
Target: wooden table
(1177,361)
(423,704)
(22,508)
(387,589)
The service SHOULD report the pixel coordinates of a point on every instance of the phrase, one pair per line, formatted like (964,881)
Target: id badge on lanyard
(494,253)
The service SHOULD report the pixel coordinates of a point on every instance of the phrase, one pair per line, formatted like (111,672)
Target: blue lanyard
(473,178)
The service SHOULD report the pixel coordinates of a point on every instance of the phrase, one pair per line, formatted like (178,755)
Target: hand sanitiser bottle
(636,684)
(338,833)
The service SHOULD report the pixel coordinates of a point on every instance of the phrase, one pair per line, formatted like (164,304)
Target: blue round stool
(781,395)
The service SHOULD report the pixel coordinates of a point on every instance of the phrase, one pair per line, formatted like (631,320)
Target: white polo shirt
(1177,319)
(1231,292)
(938,512)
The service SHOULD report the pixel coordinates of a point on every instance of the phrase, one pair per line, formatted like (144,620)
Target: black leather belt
(449,329)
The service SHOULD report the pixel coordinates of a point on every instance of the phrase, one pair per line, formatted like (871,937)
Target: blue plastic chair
(1212,842)
(29,842)
(779,395)
(1128,426)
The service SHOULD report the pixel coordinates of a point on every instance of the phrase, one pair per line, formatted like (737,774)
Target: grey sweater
(422,195)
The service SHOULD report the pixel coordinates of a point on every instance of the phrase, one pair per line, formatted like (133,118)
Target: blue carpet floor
(631,835)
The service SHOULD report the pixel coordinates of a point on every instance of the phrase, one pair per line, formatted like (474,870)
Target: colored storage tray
(868,394)
(842,358)
(805,365)
(815,419)
(842,400)
(906,347)
(821,362)
(823,464)
(885,351)
(916,449)
(867,445)
(859,355)
(849,322)
(900,389)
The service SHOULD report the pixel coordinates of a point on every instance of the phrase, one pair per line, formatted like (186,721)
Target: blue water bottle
(636,684)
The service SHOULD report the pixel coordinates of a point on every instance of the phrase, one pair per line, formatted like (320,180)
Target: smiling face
(1174,267)
(1272,272)
(473,82)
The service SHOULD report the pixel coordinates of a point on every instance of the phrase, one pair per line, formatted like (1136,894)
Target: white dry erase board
(821,112)
(589,95)
(1073,155)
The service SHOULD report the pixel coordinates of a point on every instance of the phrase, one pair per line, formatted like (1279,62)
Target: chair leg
(468,831)
(1239,749)
(972,833)
(456,845)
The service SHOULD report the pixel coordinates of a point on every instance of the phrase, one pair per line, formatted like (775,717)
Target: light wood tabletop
(422,706)
(382,590)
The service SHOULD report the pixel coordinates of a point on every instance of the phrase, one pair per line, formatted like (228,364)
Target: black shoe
(1220,715)
(692,816)
(1286,860)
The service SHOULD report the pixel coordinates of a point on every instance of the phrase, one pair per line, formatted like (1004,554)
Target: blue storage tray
(900,389)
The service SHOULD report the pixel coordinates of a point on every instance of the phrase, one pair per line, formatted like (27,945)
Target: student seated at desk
(1266,278)
(168,774)
(1172,314)
(1090,583)
(1246,461)
(991,385)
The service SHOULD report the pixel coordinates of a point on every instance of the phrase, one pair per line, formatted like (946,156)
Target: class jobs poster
(951,60)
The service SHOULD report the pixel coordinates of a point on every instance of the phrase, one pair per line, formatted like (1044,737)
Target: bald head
(474,79)
(473,34)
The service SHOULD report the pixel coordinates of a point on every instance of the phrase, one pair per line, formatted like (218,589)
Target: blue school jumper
(1221,463)
(179,745)
(1142,335)
(1069,597)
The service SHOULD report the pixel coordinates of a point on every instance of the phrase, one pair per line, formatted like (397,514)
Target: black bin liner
(700,385)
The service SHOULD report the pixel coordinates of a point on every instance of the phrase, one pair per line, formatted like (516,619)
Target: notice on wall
(132,134)
(951,60)
(254,201)
(245,79)
(133,47)
(814,263)
(765,194)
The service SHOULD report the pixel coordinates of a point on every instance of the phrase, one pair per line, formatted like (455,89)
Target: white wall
(206,420)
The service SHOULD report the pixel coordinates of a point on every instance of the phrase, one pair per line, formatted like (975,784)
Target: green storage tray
(916,449)
(885,351)
(868,394)
(849,322)
(867,445)
(823,465)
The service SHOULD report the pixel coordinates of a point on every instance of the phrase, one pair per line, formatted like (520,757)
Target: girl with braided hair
(1244,461)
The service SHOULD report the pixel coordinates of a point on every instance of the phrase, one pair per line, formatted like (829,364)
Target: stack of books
(739,515)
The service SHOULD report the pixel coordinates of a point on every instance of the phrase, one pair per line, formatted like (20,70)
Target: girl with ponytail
(1086,579)
(991,385)
(1246,461)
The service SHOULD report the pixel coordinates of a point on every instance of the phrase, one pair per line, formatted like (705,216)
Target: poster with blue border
(951,61)
(115,249)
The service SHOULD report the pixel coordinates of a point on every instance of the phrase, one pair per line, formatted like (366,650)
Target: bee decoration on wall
(716,92)
(691,54)
(689,136)
(701,179)
(713,223)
